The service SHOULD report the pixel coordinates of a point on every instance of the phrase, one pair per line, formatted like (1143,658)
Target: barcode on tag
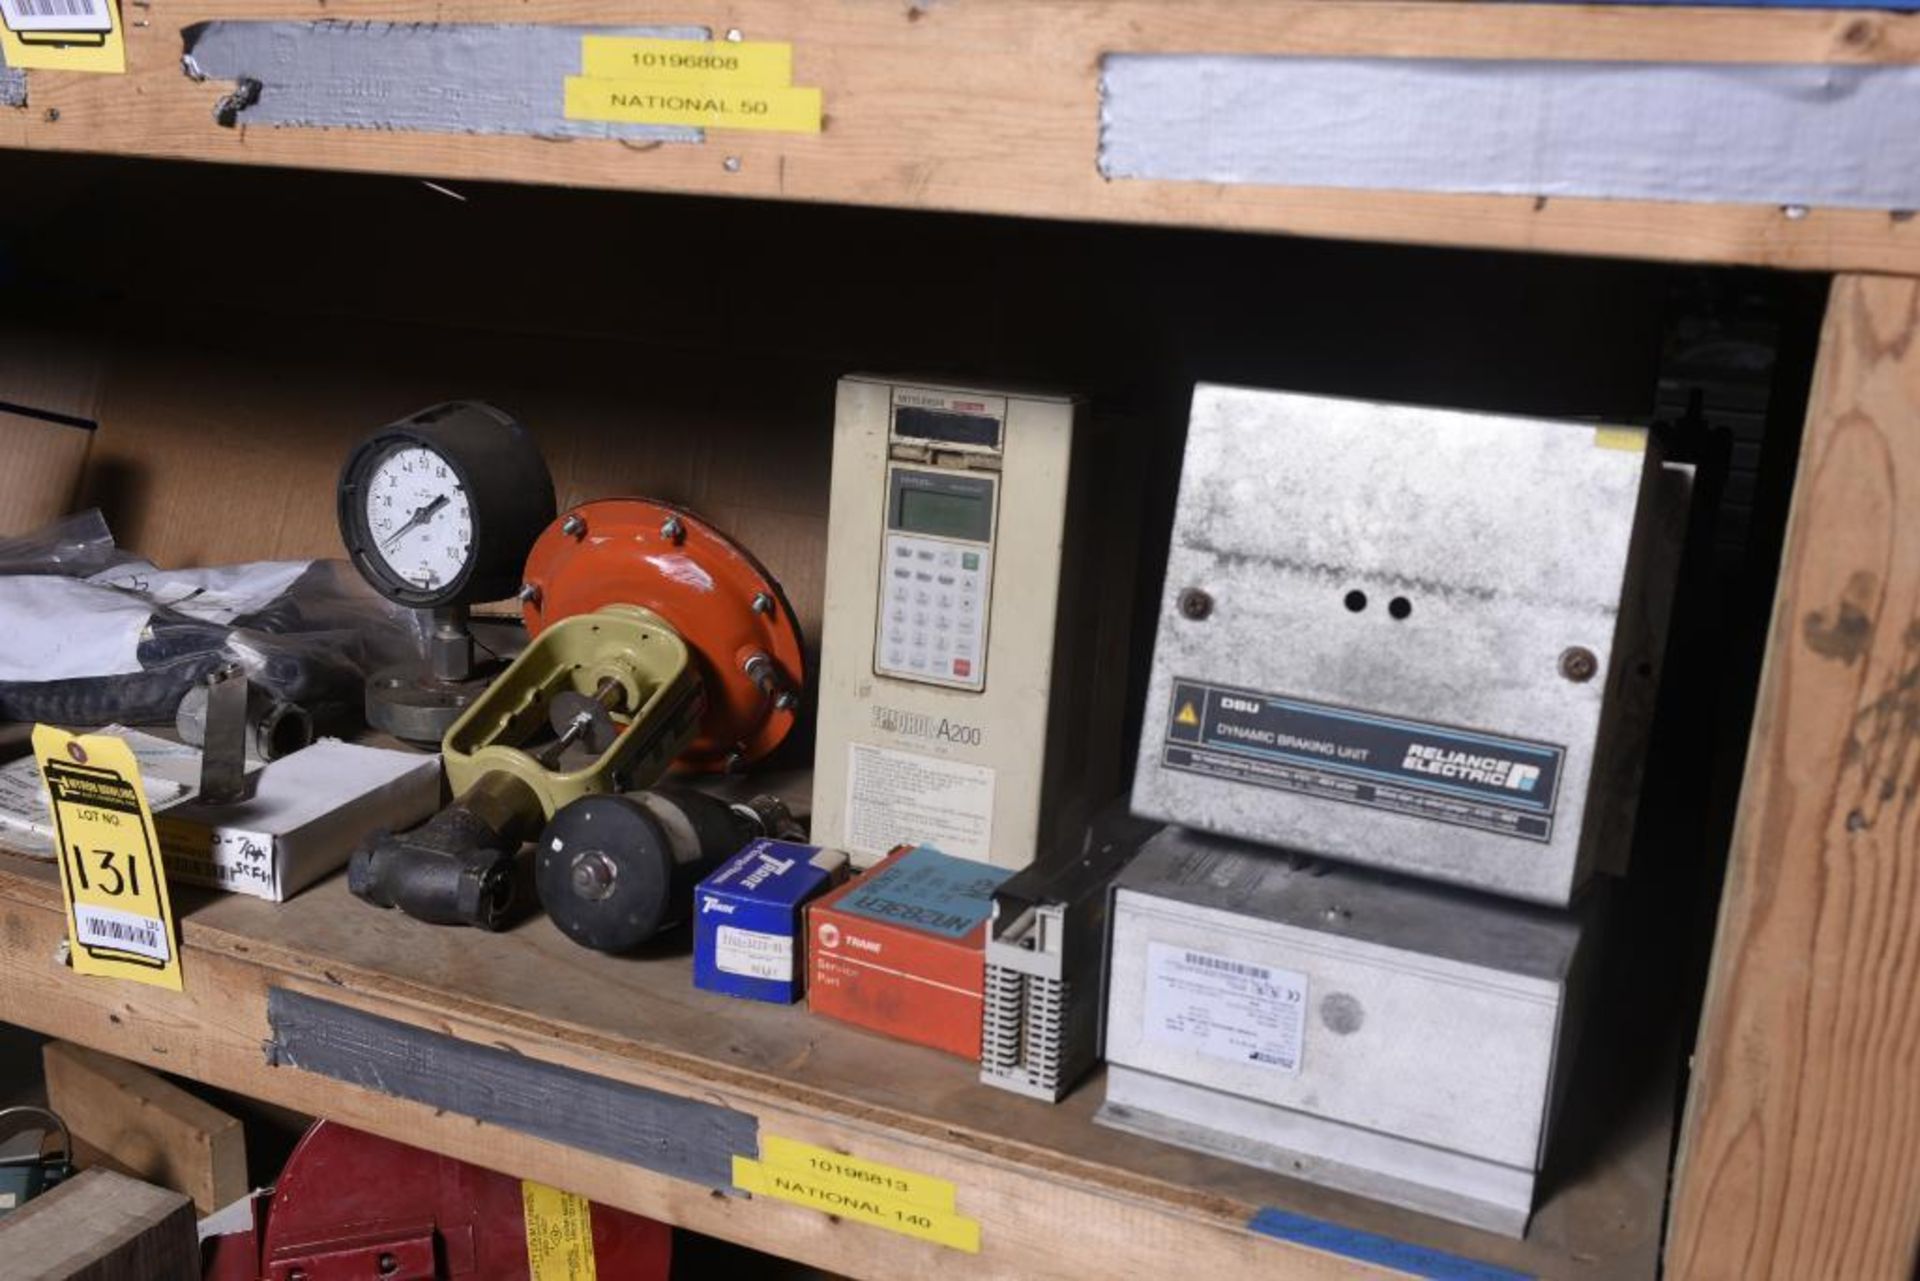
(103,927)
(57,15)
(1206,962)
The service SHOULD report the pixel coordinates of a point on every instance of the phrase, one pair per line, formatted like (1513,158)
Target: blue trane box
(747,932)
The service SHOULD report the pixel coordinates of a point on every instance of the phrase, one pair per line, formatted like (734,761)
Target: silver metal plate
(1366,629)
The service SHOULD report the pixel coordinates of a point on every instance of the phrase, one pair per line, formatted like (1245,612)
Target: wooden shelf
(994,108)
(1055,1194)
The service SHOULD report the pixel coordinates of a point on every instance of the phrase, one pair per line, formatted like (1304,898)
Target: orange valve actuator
(742,634)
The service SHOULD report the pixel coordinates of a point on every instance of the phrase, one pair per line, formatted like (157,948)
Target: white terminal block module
(1390,1037)
(1417,639)
(973,655)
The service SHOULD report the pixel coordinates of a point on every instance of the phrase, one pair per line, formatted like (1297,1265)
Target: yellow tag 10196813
(119,920)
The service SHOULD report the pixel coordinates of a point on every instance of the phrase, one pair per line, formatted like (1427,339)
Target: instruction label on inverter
(1437,772)
(909,798)
(1225,1008)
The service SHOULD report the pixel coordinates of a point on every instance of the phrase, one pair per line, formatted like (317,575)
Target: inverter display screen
(944,514)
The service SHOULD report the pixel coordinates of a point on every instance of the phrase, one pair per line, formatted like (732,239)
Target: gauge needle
(420,517)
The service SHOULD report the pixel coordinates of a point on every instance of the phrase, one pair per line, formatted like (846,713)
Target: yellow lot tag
(713,63)
(119,921)
(103,50)
(559,1234)
(704,106)
(885,1196)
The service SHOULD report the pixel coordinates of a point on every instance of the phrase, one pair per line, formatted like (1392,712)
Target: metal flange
(728,610)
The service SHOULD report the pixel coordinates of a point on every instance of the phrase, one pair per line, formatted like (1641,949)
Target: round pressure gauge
(440,508)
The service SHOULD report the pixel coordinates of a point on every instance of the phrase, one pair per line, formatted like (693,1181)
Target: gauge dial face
(419,516)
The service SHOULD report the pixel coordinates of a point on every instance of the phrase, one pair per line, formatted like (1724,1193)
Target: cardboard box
(902,950)
(45,459)
(307,812)
(50,390)
(749,933)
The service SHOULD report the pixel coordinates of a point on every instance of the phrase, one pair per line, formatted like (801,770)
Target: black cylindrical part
(613,871)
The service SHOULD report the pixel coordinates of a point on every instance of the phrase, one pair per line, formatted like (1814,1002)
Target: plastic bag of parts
(95,634)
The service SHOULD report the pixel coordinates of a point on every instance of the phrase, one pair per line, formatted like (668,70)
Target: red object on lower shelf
(350,1206)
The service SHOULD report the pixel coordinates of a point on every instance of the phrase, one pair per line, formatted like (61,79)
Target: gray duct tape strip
(458,78)
(1728,133)
(13,86)
(680,1137)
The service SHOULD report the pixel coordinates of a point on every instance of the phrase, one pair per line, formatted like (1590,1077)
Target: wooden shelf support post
(1800,1153)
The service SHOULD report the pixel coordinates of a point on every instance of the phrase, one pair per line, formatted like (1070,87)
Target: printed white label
(56,15)
(753,955)
(904,798)
(1228,1009)
(126,931)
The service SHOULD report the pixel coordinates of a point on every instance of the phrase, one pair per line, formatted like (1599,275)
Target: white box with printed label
(302,819)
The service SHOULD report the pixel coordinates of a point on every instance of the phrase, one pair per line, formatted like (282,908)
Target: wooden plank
(147,1125)
(102,1226)
(994,108)
(1801,1151)
(1056,1195)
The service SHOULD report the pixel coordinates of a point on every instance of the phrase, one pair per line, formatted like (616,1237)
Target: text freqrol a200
(979,570)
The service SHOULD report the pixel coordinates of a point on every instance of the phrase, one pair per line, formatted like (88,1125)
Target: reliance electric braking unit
(1413,638)
(972,674)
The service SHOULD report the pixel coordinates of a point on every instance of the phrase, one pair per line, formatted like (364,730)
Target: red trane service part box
(902,950)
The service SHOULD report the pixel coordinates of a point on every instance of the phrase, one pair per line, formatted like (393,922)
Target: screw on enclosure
(530,593)
(1195,604)
(573,526)
(1578,663)
(672,530)
(731,164)
(762,603)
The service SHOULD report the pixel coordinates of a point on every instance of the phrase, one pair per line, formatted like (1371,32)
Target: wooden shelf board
(1055,1193)
(994,108)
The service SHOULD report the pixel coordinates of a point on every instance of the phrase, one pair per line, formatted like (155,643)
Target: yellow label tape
(559,1234)
(706,106)
(1631,439)
(888,1181)
(837,1195)
(104,52)
(119,920)
(714,64)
